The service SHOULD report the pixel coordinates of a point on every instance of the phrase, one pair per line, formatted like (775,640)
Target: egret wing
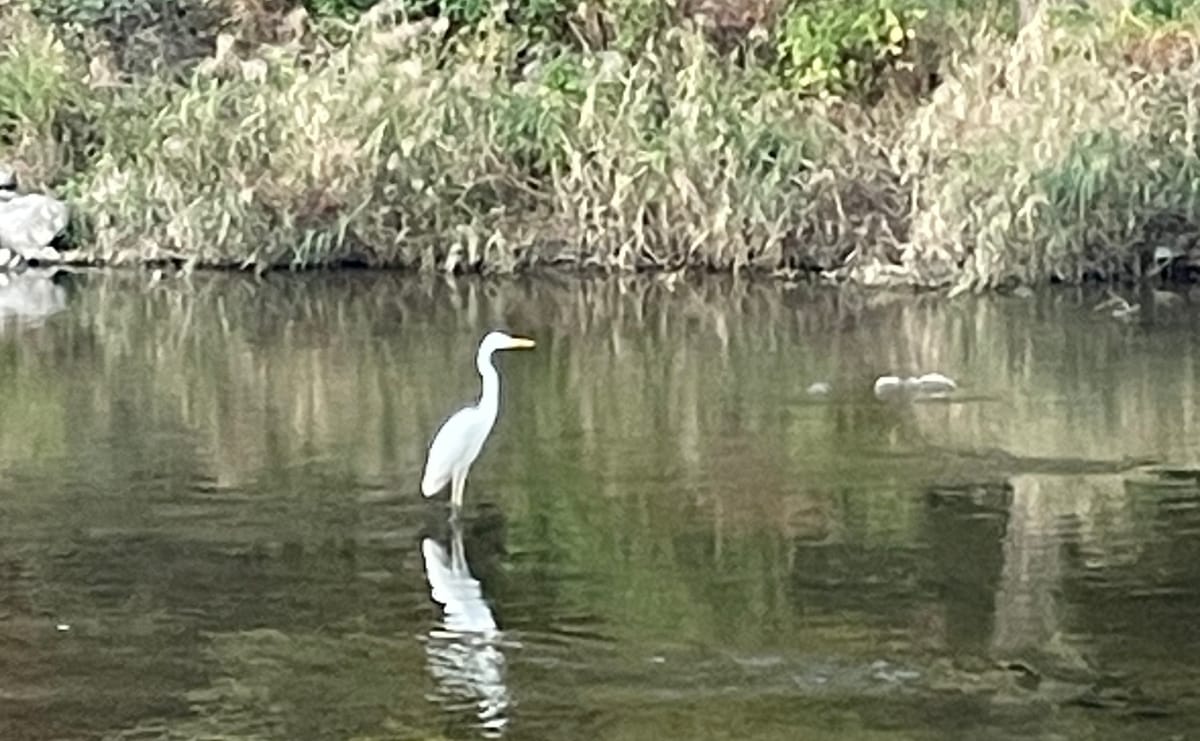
(451,445)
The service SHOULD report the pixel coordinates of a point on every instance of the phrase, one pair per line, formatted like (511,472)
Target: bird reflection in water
(464,653)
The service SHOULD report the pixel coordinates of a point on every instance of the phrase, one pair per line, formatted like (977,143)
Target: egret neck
(489,400)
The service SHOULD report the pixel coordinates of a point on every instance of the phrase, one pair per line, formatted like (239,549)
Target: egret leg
(458,553)
(458,484)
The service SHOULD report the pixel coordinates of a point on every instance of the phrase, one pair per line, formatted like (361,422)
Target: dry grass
(384,153)
(1051,158)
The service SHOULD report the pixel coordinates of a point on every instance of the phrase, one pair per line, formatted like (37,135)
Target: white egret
(461,437)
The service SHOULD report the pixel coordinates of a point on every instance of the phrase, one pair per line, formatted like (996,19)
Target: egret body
(461,437)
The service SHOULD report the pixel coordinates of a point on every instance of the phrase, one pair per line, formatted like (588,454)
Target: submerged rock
(933,383)
(930,385)
(886,385)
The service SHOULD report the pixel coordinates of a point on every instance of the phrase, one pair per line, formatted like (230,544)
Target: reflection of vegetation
(668,488)
(272,375)
(634,381)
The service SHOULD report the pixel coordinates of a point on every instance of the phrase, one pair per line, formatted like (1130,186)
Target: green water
(211,526)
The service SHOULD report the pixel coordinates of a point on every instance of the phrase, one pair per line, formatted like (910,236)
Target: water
(210,523)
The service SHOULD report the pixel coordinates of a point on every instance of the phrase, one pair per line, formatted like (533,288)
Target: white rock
(935,383)
(887,385)
(929,384)
(29,223)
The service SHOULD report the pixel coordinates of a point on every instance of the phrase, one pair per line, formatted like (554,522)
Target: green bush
(832,46)
(818,45)
(41,90)
(143,36)
(394,151)
(1164,10)
(644,145)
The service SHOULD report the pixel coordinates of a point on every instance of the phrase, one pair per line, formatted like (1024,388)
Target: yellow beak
(520,343)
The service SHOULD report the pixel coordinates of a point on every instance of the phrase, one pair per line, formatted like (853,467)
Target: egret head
(497,340)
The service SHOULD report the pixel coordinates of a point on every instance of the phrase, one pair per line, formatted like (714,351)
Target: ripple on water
(670,545)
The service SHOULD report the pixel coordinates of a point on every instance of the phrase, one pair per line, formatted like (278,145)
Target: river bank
(935,148)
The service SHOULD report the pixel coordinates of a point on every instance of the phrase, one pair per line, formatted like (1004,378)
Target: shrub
(1067,154)
(1046,160)
(381,153)
(143,35)
(41,91)
(831,46)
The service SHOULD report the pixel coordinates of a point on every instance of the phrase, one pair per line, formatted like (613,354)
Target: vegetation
(877,141)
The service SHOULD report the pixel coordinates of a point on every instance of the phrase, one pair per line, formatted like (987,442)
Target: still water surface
(211,526)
